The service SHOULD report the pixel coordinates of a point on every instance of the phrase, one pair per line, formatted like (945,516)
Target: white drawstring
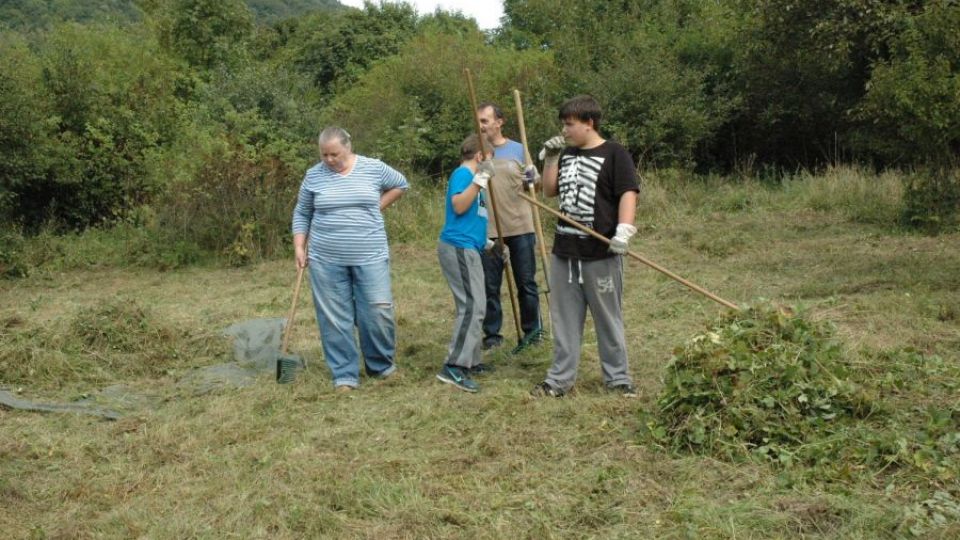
(579,271)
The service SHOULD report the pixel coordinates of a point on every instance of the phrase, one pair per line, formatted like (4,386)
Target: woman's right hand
(300,255)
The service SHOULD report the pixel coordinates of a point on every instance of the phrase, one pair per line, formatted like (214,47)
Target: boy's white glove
(487,167)
(495,247)
(620,240)
(552,148)
(481,179)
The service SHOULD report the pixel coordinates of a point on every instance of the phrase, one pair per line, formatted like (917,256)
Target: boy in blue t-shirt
(463,237)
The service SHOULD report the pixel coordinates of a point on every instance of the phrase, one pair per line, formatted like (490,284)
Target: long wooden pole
(640,258)
(493,206)
(537,224)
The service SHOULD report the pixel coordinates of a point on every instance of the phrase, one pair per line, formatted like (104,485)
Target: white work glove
(486,167)
(529,175)
(495,247)
(620,240)
(552,148)
(481,179)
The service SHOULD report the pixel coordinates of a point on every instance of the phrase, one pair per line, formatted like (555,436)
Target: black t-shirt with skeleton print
(590,183)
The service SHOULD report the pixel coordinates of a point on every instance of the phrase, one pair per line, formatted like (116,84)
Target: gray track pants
(574,286)
(464,273)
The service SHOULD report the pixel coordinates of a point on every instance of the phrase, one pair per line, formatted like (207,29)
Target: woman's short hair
(333,132)
(582,108)
(470,147)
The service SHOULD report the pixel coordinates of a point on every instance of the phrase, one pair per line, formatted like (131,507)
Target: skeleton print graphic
(578,190)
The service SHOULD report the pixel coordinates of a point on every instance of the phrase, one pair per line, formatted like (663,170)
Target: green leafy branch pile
(764,381)
(768,383)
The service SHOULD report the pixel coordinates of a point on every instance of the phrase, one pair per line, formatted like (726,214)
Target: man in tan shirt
(516,220)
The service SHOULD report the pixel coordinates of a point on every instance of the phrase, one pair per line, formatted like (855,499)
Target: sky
(487,13)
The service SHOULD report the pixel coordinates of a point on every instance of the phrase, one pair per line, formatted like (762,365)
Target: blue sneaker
(457,376)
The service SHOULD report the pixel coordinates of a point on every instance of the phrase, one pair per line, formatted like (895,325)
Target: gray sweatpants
(464,273)
(575,286)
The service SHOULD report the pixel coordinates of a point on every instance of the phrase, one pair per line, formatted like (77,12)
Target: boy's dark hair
(497,111)
(582,108)
(470,147)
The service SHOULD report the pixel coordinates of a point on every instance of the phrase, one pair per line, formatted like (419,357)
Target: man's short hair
(497,112)
(470,147)
(582,108)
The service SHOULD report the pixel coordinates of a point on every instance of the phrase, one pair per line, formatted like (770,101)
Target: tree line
(170,109)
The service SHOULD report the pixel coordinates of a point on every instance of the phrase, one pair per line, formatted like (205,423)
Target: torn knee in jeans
(382,305)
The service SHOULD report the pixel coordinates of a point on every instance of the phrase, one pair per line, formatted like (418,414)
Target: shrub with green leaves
(765,381)
(931,201)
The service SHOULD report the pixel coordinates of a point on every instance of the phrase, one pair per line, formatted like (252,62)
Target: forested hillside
(140,117)
(25,14)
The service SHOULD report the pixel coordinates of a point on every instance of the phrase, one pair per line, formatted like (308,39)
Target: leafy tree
(205,33)
(413,108)
(912,103)
(649,62)
(334,49)
(800,69)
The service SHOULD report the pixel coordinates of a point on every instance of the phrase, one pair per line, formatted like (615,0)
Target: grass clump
(115,341)
(764,382)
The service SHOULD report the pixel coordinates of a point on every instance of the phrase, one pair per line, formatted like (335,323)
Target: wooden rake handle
(293,311)
(640,258)
(514,305)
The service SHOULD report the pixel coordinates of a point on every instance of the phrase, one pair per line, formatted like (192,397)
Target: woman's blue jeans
(348,297)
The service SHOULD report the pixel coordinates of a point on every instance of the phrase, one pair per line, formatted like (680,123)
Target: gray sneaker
(458,377)
(624,389)
(545,389)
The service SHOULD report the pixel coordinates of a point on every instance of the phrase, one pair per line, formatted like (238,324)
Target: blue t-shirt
(509,150)
(469,229)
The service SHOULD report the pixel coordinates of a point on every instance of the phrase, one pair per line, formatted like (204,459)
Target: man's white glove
(481,179)
(529,175)
(620,240)
(552,148)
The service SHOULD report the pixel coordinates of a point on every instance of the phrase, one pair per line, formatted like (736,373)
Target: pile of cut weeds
(764,382)
(769,383)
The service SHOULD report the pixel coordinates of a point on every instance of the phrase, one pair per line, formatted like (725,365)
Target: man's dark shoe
(545,389)
(491,343)
(624,389)
(533,338)
(481,369)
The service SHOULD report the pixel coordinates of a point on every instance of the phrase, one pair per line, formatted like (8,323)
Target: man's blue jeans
(354,296)
(524,265)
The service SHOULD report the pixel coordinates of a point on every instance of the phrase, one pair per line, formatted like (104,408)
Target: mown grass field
(412,458)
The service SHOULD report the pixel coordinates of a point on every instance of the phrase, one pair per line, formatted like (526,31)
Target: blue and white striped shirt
(341,214)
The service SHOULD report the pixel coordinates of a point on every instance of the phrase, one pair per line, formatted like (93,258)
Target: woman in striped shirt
(338,232)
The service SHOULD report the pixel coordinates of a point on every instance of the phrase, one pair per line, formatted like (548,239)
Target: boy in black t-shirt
(596,183)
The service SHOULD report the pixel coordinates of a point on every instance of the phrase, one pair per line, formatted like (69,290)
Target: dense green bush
(92,108)
(931,202)
(12,263)
(239,205)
